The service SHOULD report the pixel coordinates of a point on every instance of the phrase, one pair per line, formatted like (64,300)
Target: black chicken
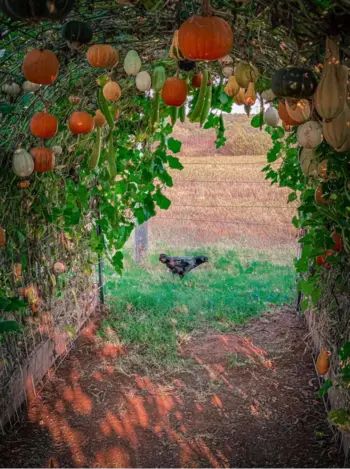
(182,265)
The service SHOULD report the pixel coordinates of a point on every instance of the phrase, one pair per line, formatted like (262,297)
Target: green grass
(154,309)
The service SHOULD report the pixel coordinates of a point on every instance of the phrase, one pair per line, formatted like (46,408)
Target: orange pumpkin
(81,122)
(2,237)
(43,125)
(197,80)
(99,119)
(174,91)
(40,66)
(23,184)
(112,91)
(44,159)
(102,56)
(205,38)
(323,362)
(283,113)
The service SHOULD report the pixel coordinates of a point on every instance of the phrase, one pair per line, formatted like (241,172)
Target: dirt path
(246,400)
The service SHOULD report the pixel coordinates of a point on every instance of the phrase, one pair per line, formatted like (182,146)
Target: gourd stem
(206,8)
(332,50)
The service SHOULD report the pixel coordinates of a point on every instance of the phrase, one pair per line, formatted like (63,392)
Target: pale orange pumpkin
(285,117)
(323,362)
(174,91)
(112,91)
(205,38)
(102,56)
(40,66)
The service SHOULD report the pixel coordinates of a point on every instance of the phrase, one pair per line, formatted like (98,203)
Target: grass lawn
(151,308)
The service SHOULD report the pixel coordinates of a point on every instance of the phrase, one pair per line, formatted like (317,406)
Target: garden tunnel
(90,93)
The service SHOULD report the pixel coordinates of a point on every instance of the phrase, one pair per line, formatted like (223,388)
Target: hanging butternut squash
(245,72)
(330,94)
(337,131)
(232,87)
(250,95)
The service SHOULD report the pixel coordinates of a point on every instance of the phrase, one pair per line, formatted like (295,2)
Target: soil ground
(244,399)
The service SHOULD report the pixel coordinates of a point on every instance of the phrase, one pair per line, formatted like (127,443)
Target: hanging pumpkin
(250,95)
(309,135)
(293,82)
(59,268)
(112,91)
(232,87)
(174,51)
(132,63)
(23,184)
(11,89)
(102,56)
(205,38)
(143,81)
(308,162)
(268,95)
(174,91)
(323,362)
(197,80)
(22,163)
(239,97)
(319,196)
(331,92)
(186,65)
(227,71)
(77,32)
(81,122)
(29,87)
(26,9)
(337,131)
(285,117)
(2,237)
(158,78)
(99,119)
(245,73)
(271,116)
(40,66)
(44,159)
(43,125)
(338,242)
(298,110)
(17,271)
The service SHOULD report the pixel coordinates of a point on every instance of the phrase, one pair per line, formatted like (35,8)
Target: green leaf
(8,304)
(257,121)
(292,196)
(325,388)
(162,201)
(117,261)
(174,145)
(273,153)
(344,352)
(174,162)
(9,326)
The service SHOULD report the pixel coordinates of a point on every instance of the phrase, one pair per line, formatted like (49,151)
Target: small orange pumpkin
(23,184)
(43,125)
(197,80)
(205,38)
(44,159)
(40,66)
(323,362)
(174,91)
(99,119)
(283,113)
(102,56)
(81,122)
(2,237)
(112,91)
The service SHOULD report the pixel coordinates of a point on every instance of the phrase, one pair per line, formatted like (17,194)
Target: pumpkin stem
(206,8)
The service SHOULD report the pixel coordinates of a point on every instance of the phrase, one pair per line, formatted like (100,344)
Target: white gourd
(22,163)
(132,63)
(30,87)
(309,135)
(271,116)
(11,89)
(143,81)
(308,162)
